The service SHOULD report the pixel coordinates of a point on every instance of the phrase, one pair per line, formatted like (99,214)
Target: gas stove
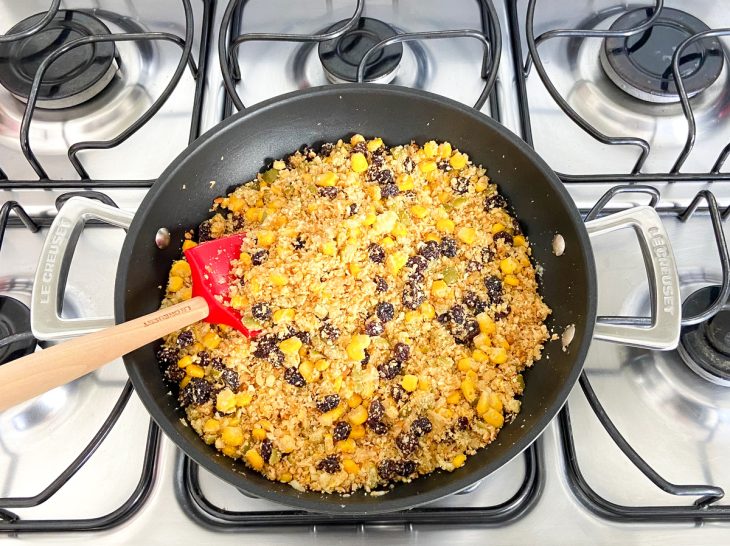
(637,455)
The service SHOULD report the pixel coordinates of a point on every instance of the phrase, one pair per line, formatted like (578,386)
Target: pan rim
(334,503)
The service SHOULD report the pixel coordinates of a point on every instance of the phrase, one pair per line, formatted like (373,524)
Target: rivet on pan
(558,245)
(162,238)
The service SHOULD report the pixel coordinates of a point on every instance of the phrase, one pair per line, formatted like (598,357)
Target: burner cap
(705,347)
(14,319)
(341,56)
(74,77)
(641,64)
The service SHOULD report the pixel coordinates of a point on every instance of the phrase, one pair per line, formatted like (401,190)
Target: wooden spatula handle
(42,371)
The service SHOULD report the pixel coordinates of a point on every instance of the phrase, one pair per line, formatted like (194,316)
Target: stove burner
(641,65)
(705,347)
(341,56)
(74,77)
(14,319)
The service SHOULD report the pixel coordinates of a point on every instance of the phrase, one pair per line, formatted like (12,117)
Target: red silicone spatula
(42,371)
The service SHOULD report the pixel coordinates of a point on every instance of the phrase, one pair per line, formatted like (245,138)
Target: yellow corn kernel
(235,203)
(508,266)
(354,401)
(496,228)
(254,214)
(326,179)
(238,302)
(409,382)
(356,347)
(286,477)
(430,148)
(287,444)
(266,425)
(185,293)
(174,284)
(511,280)
(495,402)
(427,166)
(479,356)
(374,144)
(358,163)
(259,434)
(486,324)
(290,346)
(321,365)
(444,197)
(483,403)
(399,230)
(445,224)
(245,259)
(369,219)
(467,235)
(278,279)
(439,289)
(374,193)
(446,413)
(195,371)
(337,384)
(188,244)
(454,397)
(255,285)
(493,417)
(524,261)
(229,451)
(404,182)
(385,222)
(308,372)
(254,459)
(346,446)
(480,186)
(225,401)
(211,426)
(483,342)
(411,317)
(459,460)
(387,243)
(427,310)
(419,211)
(185,361)
(358,415)
(282,315)
(232,436)
(185,381)
(350,466)
(243,399)
(458,160)
(329,248)
(424,384)
(396,261)
(468,390)
(265,238)
(464,364)
(471,375)
(498,355)
(519,240)
(180,268)
(432,237)
(354,139)
(358,431)
(444,150)
(211,340)
(504,344)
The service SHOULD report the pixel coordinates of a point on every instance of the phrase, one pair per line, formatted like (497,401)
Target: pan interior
(235,150)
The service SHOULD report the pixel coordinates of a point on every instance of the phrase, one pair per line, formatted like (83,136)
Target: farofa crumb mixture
(397,304)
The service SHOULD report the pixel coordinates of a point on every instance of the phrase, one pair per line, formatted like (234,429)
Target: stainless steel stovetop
(576,485)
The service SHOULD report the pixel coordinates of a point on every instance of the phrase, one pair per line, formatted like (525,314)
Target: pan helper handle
(662,333)
(53,266)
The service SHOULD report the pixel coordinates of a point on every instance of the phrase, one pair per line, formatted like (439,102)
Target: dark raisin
(167,356)
(266,448)
(444,165)
(417,263)
(293,377)
(215,363)
(353,208)
(238,223)
(462,423)
(341,431)
(398,393)
(329,402)
(230,378)
(329,332)
(487,254)
(475,304)
(457,314)
(185,339)
(389,369)
(261,311)
(430,250)
(388,190)
(378,427)
(407,442)
(376,253)
(416,276)
(421,426)
(265,344)
(174,373)
(506,237)
(517,228)
(460,185)
(326,149)
(494,289)
(198,391)
(330,464)
(276,357)
(360,147)
(385,311)
(401,351)
(466,332)
(299,243)
(495,201)
(309,152)
(303,336)
(473,265)
(259,257)
(374,327)
(500,315)
(377,158)
(204,232)
(443,318)
(387,469)
(408,165)
(381,285)
(376,410)
(382,177)
(329,192)
(413,295)
(405,468)
(364,362)
(448,247)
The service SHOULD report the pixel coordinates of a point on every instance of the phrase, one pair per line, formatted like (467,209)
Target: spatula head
(210,265)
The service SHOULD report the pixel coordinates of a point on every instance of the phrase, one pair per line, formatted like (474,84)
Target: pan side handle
(53,266)
(662,333)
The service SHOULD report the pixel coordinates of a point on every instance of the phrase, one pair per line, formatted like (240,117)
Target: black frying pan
(236,149)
